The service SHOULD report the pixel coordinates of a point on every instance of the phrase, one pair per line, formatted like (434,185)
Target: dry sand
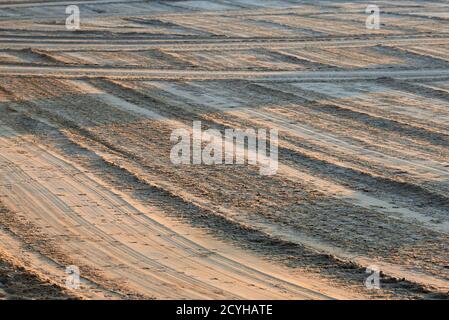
(86,177)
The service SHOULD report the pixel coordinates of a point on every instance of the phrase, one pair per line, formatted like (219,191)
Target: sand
(85,171)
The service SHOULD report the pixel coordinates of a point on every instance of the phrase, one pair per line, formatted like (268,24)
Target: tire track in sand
(174,262)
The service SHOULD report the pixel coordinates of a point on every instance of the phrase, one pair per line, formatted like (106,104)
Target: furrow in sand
(129,73)
(189,44)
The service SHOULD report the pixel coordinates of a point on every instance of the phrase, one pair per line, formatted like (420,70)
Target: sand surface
(85,171)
